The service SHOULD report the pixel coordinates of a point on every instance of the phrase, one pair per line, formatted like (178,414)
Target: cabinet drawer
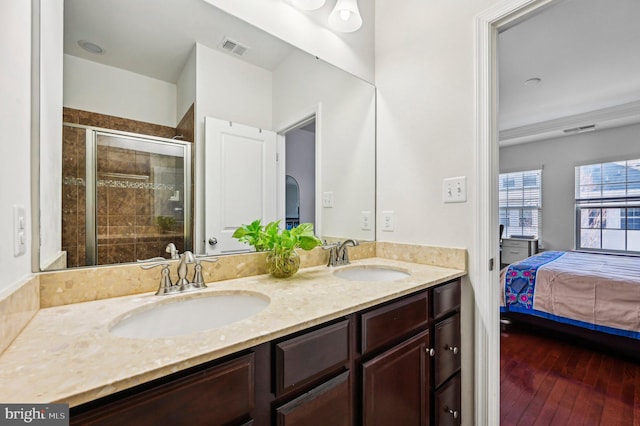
(511,243)
(392,322)
(447,403)
(446,341)
(219,395)
(311,355)
(514,254)
(446,298)
(327,404)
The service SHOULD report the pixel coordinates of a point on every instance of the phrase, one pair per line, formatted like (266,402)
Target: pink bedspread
(594,288)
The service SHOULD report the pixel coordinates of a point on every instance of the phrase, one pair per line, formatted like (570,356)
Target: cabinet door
(220,395)
(447,405)
(395,385)
(327,404)
(447,349)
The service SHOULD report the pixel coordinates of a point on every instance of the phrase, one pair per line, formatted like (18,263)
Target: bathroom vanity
(397,362)
(329,347)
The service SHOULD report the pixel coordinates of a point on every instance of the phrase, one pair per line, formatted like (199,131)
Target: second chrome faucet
(338,253)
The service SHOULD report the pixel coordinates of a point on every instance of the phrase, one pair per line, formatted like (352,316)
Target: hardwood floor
(552,381)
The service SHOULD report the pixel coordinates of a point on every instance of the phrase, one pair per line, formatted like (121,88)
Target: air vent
(581,129)
(233,47)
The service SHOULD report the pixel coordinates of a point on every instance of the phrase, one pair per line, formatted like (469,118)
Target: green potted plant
(166,223)
(281,244)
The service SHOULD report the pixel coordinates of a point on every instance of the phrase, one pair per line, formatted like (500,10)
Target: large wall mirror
(179,123)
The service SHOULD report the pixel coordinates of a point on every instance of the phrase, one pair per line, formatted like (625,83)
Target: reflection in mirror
(159,72)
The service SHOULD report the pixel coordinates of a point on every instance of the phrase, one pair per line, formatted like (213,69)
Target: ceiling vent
(233,47)
(580,129)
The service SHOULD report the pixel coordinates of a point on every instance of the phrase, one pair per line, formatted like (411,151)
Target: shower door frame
(91,155)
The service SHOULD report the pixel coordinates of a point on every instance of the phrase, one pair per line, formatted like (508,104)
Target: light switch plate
(365,220)
(327,199)
(387,221)
(454,190)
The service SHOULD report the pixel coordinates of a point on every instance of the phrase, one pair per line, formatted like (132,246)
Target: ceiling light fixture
(91,47)
(345,17)
(307,4)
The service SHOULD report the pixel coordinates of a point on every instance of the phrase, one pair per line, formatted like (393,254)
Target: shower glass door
(138,197)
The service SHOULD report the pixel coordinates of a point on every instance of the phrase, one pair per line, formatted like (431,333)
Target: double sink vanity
(345,345)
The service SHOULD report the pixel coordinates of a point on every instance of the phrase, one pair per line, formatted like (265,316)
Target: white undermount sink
(175,317)
(371,273)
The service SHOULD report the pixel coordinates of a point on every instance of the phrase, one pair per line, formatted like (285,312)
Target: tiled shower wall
(126,222)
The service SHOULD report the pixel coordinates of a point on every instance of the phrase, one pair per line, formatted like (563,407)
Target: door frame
(487,288)
(297,120)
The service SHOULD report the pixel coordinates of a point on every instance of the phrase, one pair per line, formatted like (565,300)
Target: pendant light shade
(345,17)
(308,4)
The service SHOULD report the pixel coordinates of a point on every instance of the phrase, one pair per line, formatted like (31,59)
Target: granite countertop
(66,353)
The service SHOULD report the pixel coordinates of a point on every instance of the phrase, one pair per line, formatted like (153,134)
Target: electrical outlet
(387,221)
(454,190)
(19,231)
(365,220)
(327,199)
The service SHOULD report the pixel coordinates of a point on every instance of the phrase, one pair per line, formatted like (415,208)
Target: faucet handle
(198,279)
(166,286)
(153,265)
(152,259)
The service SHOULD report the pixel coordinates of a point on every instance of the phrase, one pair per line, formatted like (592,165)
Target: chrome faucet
(338,254)
(343,254)
(171,248)
(183,284)
(185,259)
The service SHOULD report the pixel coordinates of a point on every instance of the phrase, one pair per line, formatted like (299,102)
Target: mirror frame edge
(35,136)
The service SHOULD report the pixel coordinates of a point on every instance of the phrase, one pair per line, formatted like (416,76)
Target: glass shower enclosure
(137,197)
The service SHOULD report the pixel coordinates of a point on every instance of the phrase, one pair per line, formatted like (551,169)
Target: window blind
(608,206)
(520,203)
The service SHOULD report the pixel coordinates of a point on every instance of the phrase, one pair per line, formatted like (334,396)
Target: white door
(240,181)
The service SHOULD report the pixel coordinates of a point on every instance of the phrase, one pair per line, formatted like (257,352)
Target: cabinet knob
(430,351)
(454,413)
(453,349)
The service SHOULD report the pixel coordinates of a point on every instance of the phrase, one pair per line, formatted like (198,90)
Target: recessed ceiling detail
(91,47)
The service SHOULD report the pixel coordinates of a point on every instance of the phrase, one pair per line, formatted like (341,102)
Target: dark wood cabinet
(326,404)
(219,395)
(396,384)
(311,355)
(447,403)
(397,363)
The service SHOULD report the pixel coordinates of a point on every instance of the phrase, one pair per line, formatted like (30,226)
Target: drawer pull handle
(430,351)
(454,413)
(453,349)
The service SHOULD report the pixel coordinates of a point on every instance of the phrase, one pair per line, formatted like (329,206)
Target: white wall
(15,121)
(308,31)
(94,87)
(229,89)
(50,134)
(186,86)
(424,62)
(345,131)
(558,157)
(300,164)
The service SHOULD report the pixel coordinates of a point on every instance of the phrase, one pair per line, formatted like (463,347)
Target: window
(608,207)
(520,195)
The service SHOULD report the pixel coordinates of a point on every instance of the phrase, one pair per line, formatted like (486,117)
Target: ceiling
(586,54)
(155,38)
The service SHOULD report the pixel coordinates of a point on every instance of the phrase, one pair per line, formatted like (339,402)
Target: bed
(590,295)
